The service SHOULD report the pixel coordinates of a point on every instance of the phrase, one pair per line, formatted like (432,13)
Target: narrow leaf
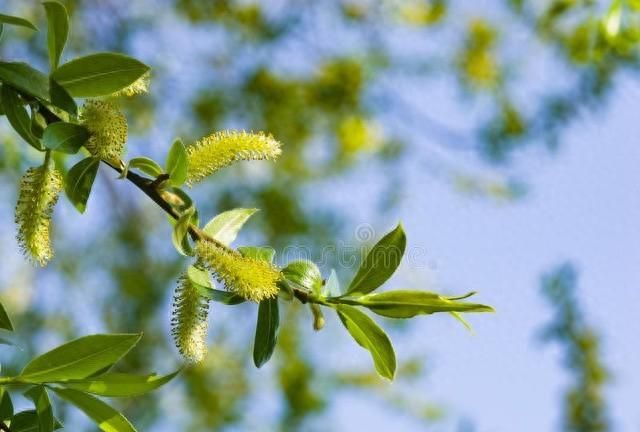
(65,137)
(6,406)
(176,165)
(146,165)
(261,253)
(225,226)
(79,181)
(371,337)
(104,416)
(17,21)
(381,262)
(119,385)
(18,117)
(408,303)
(99,74)
(44,411)
(266,331)
(5,321)
(80,358)
(25,79)
(180,232)
(61,98)
(58,30)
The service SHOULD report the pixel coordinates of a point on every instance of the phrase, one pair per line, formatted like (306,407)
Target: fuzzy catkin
(189,320)
(250,278)
(39,191)
(107,127)
(220,149)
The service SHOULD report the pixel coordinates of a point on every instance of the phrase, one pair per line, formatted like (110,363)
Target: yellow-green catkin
(39,191)
(107,127)
(189,320)
(138,87)
(220,149)
(250,278)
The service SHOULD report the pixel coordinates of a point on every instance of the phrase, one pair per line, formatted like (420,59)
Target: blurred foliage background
(347,86)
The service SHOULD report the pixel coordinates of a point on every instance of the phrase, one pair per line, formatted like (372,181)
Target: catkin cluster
(248,277)
(189,320)
(107,127)
(39,191)
(220,149)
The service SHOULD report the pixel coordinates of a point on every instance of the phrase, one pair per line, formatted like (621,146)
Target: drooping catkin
(248,277)
(220,149)
(189,320)
(107,127)
(39,191)
(138,87)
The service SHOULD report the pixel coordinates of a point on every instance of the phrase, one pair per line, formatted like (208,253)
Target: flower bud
(189,320)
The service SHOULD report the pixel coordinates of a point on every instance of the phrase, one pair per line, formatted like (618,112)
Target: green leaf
(119,385)
(107,418)
(25,79)
(6,406)
(44,411)
(381,262)
(261,253)
(332,286)
(17,21)
(266,331)
(408,303)
(371,337)
(5,321)
(146,165)
(18,116)
(79,181)
(180,232)
(225,226)
(65,137)
(99,74)
(176,164)
(304,273)
(61,98)
(58,30)
(80,358)
(28,421)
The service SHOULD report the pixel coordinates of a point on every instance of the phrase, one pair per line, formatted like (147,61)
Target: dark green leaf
(25,421)
(305,274)
(266,331)
(25,79)
(146,165)
(17,21)
(176,165)
(79,181)
(58,30)
(381,262)
(104,416)
(80,358)
(5,321)
(61,98)
(371,337)
(225,226)
(99,74)
(44,411)
(6,406)
(261,253)
(407,304)
(65,137)
(119,385)
(18,116)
